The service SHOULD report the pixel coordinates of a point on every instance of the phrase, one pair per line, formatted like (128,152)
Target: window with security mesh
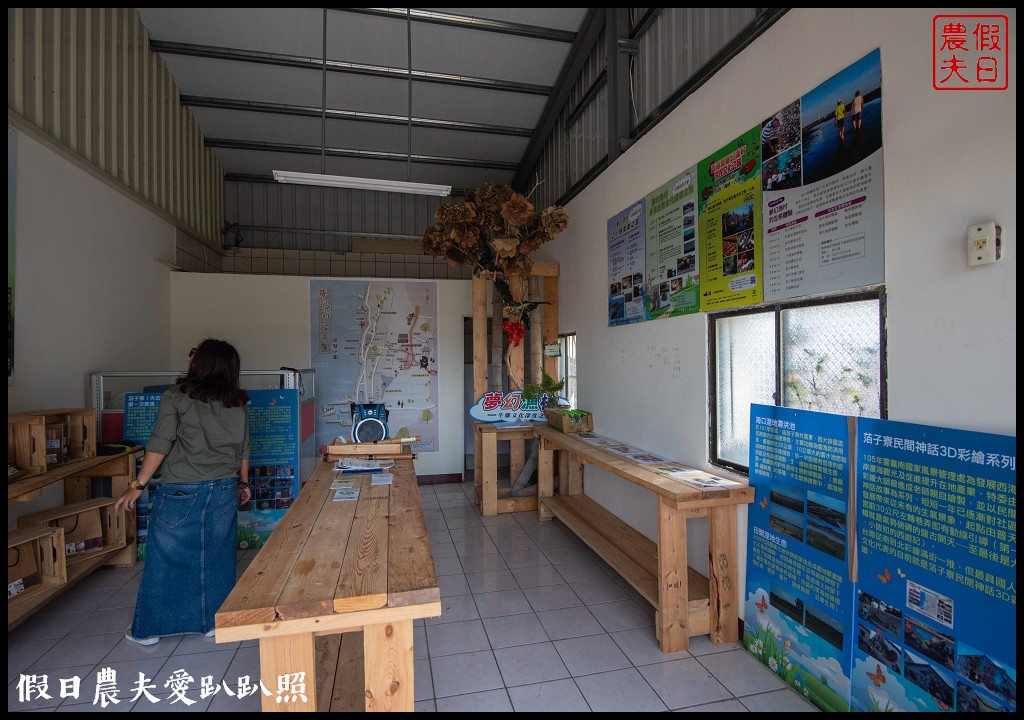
(826,355)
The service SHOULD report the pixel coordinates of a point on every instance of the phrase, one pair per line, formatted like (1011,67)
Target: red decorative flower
(515,331)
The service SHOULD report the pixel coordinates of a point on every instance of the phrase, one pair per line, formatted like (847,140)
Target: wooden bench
(333,593)
(686,602)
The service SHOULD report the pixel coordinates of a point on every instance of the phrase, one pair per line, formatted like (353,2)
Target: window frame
(563,361)
(777,308)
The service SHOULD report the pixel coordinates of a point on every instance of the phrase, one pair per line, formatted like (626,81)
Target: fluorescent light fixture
(284,176)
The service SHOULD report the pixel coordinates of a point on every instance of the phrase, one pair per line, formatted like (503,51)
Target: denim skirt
(190,558)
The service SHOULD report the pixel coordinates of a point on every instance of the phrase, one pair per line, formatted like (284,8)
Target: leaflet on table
(701,478)
(381,479)
(340,484)
(362,465)
(351,493)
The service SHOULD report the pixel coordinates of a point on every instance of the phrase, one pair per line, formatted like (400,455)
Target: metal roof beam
(317,64)
(469,23)
(360,154)
(383,118)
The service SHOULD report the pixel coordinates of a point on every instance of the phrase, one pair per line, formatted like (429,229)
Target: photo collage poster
(626,292)
(673,273)
(792,207)
(730,224)
(821,178)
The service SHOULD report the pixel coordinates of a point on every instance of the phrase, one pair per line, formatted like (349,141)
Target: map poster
(376,342)
(799,602)
(673,280)
(626,267)
(729,222)
(821,175)
(937,592)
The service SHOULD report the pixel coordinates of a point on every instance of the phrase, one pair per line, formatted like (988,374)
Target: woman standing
(200,444)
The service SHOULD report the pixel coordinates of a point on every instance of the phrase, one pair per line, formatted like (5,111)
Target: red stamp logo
(970,52)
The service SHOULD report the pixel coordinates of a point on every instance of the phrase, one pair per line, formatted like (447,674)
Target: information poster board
(274,438)
(626,258)
(673,275)
(729,216)
(800,596)
(936,596)
(821,176)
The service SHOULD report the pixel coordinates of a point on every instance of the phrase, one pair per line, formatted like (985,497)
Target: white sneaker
(211,632)
(139,641)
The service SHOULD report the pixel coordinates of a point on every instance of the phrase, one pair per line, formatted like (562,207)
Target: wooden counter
(686,602)
(361,567)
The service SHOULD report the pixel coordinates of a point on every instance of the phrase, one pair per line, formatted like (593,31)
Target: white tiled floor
(532,620)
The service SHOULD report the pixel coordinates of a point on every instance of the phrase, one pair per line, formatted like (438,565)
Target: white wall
(89,293)
(266,318)
(949,161)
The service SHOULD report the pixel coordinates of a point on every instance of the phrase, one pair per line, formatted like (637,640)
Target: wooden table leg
(674,587)
(723,581)
(489,481)
(545,477)
(388,667)
(288,671)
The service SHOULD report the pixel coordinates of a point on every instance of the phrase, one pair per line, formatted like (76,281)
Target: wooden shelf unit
(27,438)
(77,477)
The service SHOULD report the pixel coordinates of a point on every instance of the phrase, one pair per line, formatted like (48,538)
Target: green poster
(729,224)
(673,280)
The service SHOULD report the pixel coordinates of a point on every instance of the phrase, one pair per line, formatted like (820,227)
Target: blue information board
(273,458)
(799,602)
(896,545)
(936,596)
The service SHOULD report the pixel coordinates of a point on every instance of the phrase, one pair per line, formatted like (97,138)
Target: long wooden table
(360,567)
(686,602)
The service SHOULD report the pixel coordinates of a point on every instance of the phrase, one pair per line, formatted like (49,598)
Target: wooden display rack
(37,552)
(111,525)
(26,439)
(543,286)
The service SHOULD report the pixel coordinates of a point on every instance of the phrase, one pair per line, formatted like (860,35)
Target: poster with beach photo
(672,247)
(729,216)
(626,259)
(821,178)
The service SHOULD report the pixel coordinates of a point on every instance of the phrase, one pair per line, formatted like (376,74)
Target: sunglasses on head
(193,351)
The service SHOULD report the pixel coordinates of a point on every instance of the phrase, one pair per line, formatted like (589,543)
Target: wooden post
(289,657)
(536,333)
(545,478)
(489,474)
(388,667)
(479,337)
(672,619)
(724,590)
(550,332)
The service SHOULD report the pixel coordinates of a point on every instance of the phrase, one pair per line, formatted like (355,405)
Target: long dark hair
(213,374)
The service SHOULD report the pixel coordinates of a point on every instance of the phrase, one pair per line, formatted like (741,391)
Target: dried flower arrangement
(495,231)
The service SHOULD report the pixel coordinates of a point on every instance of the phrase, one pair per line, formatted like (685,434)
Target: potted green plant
(547,385)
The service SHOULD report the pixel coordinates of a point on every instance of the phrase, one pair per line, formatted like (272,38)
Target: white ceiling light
(285,176)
